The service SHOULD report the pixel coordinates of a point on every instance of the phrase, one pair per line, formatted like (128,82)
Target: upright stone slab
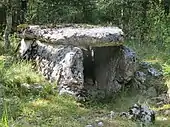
(113,67)
(62,64)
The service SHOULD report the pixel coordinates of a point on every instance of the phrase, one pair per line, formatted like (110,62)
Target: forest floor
(21,108)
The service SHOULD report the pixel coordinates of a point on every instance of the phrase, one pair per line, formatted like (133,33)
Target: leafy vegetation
(47,108)
(147,30)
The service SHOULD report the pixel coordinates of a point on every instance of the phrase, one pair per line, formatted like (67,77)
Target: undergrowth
(48,109)
(154,54)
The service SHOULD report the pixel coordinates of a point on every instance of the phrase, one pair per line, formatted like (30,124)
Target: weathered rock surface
(140,113)
(137,113)
(149,79)
(60,57)
(62,64)
(114,67)
(89,125)
(161,100)
(76,35)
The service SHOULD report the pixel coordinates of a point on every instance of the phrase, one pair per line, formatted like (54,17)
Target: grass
(64,111)
(47,109)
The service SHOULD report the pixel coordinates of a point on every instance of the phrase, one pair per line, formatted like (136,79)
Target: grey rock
(149,76)
(160,103)
(37,86)
(145,65)
(60,57)
(34,88)
(100,124)
(140,76)
(77,36)
(154,72)
(89,125)
(123,114)
(168,92)
(114,67)
(112,114)
(66,90)
(161,99)
(141,113)
(167,112)
(67,68)
(164,119)
(127,65)
(25,86)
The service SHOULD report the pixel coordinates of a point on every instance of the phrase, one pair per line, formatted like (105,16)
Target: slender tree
(10,7)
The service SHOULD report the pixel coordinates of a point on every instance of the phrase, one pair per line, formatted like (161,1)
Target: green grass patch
(48,109)
(13,73)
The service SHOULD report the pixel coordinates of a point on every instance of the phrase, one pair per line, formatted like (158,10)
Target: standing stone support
(113,67)
(60,64)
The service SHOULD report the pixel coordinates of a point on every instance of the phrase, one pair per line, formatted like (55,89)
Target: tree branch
(3,3)
(6,4)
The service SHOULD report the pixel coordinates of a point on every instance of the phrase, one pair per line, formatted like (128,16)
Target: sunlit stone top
(75,35)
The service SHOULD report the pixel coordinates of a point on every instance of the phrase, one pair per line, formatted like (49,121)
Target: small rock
(164,119)
(140,76)
(141,113)
(154,72)
(160,103)
(167,112)
(100,124)
(89,125)
(168,92)
(145,65)
(97,121)
(25,86)
(123,114)
(66,90)
(112,114)
(37,86)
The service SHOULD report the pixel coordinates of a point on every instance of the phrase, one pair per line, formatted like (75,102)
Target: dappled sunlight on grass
(40,102)
(162,121)
(164,107)
(162,118)
(166,69)
(168,82)
(149,52)
(153,61)
(57,109)
(17,72)
(2,57)
(48,109)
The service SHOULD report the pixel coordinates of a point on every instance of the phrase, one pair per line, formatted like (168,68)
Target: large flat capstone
(76,35)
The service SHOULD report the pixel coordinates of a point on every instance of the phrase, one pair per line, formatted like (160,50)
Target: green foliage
(14,73)
(60,11)
(4,119)
(14,44)
(47,108)
(143,21)
(147,31)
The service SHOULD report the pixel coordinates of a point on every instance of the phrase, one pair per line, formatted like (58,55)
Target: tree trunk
(166,6)
(23,10)
(8,28)
(144,26)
